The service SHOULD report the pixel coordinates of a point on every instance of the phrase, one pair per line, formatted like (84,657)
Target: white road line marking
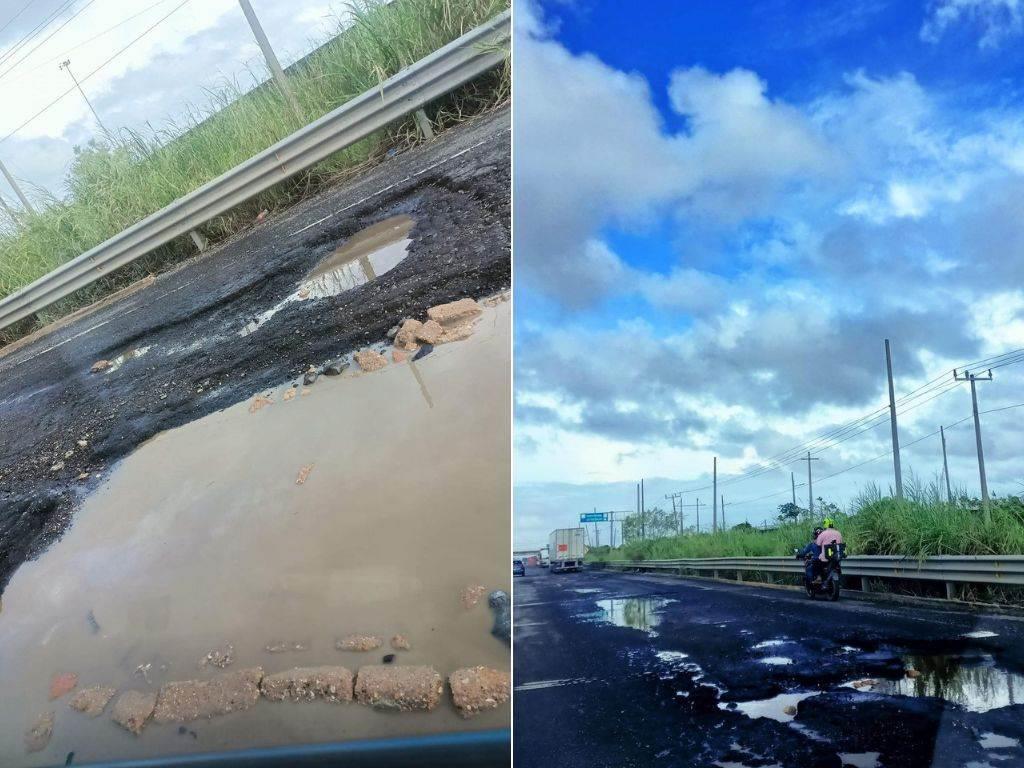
(540,685)
(392,186)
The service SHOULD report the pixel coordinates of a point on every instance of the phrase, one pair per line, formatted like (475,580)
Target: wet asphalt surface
(592,690)
(457,190)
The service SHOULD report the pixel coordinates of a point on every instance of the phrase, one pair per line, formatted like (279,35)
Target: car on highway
(518,567)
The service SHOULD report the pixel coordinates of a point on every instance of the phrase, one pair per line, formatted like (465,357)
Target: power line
(42,42)
(98,35)
(924,393)
(37,29)
(101,66)
(1004,408)
(14,18)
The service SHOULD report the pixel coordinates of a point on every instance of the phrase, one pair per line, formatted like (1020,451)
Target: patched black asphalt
(457,188)
(592,692)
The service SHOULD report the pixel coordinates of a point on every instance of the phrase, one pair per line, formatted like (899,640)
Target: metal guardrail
(434,76)
(1007,570)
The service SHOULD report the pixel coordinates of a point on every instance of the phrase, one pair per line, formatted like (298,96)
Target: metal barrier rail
(431,77)
(968,569)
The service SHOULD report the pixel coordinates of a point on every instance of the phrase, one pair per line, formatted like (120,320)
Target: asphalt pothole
(860,759)
(643,613)
(362,258)
(975,683)
(781,708)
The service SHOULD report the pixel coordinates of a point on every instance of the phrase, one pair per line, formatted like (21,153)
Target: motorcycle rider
(810,553)
(829,537)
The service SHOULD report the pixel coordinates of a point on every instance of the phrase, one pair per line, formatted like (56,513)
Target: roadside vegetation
(120,179)
(920,525)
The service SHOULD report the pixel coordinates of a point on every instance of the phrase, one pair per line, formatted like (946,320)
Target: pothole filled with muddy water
(362,258)
(357,522)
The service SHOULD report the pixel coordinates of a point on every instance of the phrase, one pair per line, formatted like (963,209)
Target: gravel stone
(359,643)
(455,312)
(132,709)
(369,360)
(92,701)
(403,688)
(476,689)
(307,683)
(189,700)
(38,734)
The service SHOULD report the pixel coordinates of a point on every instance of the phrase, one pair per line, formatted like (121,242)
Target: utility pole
(270,57)
(945,466)
(968,376)
(643,506)
(892,418)
(696,505)
(640,518)
(66,65)
(17,190)
(678,515)
(792,482)
(810,485)
(714,495)
(723,513)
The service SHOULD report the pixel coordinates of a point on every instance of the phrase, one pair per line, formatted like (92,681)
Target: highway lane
(617,670)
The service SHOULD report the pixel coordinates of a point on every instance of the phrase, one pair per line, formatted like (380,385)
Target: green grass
(115,183)
(919,526)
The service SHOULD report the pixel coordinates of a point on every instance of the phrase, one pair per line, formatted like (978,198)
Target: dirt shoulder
(61,422)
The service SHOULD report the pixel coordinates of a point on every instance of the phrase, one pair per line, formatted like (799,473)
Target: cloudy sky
(723,209)
(199,44)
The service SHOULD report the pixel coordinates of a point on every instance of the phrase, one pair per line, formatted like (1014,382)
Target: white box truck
(566,548)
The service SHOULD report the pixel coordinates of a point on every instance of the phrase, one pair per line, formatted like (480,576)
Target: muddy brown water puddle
(362,258)
(201,537)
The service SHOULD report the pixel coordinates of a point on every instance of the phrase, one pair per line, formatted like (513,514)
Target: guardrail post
(423,123)
(865,584)
(952,593)
(715,573)
(200,241)
(739,576)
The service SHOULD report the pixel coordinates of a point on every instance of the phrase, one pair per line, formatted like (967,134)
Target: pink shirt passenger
(828,536)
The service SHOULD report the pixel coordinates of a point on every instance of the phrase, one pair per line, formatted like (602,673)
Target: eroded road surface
(652,670)
(244,467)
(301,288)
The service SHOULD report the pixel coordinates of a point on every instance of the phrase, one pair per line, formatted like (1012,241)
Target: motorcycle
(831,572)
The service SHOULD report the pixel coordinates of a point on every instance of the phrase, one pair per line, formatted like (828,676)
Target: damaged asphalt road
(179,342)
(653,670)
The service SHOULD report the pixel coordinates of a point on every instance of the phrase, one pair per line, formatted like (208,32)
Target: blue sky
(721,211)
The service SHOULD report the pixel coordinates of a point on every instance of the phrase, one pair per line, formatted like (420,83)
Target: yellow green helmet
(828,522)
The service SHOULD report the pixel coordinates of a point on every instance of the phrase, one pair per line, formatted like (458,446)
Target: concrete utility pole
(696,505)
(792,482)
(678,515)
(723,512)
(643,506)
(968,376)
(66,65)
(714,495)
(945,466)
(892,418)
(640,517)
(270,57)
(17,190)
(810,485)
